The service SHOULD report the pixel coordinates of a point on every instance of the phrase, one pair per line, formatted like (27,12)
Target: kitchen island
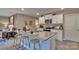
(46,36)
(47,40)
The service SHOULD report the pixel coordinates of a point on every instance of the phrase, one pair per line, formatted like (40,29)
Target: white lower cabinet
(59,34)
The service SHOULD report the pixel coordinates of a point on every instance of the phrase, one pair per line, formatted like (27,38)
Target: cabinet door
(57,18)
(41,20)
(54,19)
(60,18)
(48,16)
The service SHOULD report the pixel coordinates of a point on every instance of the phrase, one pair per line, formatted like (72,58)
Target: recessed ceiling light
(37,13)
(22,9)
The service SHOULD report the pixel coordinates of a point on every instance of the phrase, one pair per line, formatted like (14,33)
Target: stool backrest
(23,40)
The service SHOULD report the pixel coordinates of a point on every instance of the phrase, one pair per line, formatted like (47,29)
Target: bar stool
(23,42)
(34,42)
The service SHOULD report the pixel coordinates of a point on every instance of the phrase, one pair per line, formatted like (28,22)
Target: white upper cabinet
(48,16)
(41,20)
(57,18)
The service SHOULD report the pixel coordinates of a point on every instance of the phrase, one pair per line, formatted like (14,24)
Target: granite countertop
(45,35)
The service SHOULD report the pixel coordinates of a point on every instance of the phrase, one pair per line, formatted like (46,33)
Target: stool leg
(34,47)
(39,46)
(29,43)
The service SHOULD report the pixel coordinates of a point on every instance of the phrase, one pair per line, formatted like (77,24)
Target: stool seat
(34,41)
(25,36)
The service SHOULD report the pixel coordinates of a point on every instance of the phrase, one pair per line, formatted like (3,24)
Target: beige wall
(19,21)
(4,20)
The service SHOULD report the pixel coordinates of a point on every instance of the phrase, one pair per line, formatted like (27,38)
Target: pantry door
(77,27)
(70,27)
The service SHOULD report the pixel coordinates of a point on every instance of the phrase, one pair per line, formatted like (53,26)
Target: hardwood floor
(67,45)
(60,45)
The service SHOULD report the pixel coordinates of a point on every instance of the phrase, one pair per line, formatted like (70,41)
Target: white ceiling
(27,11)
(31,11)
